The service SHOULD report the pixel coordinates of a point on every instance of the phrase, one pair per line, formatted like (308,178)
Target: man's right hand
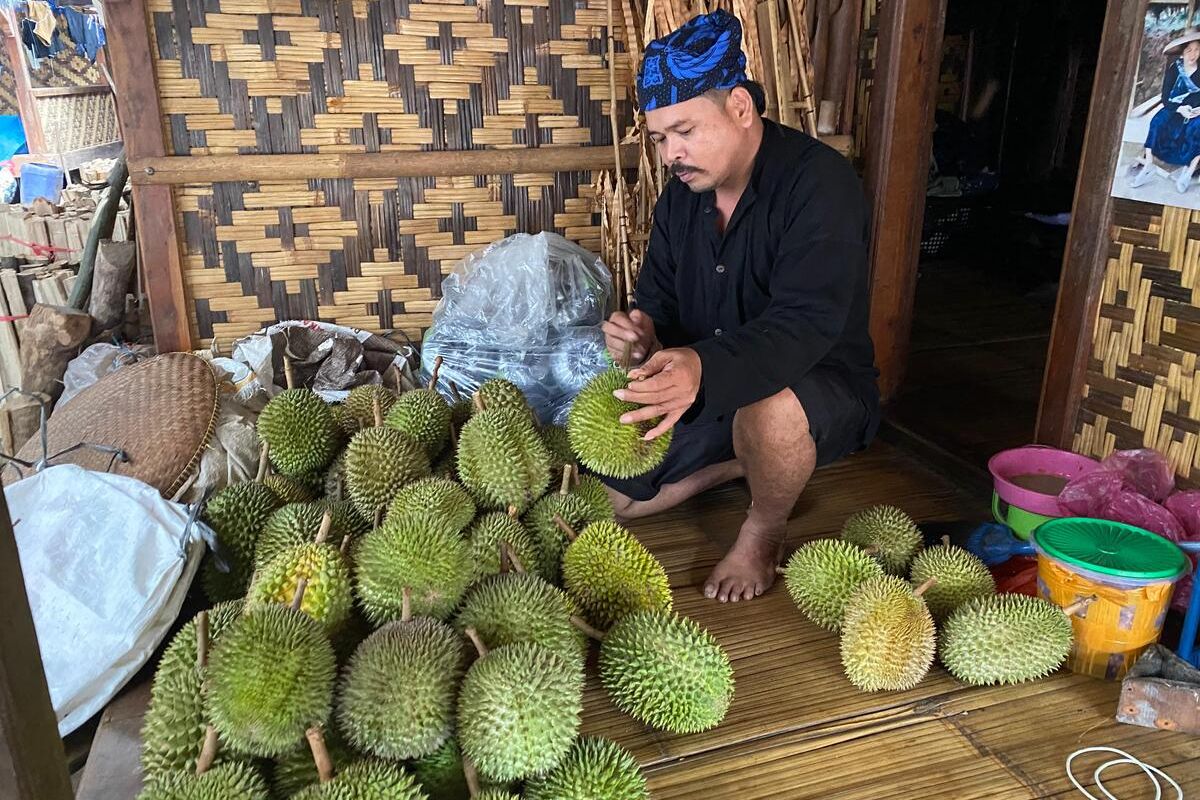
(634,327)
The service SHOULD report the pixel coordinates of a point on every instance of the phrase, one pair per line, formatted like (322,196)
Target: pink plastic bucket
(1025,465)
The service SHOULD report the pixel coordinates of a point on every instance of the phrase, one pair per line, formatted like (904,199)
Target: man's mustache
(678,167)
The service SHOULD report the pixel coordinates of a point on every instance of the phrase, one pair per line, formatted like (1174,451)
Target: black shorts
(843,417)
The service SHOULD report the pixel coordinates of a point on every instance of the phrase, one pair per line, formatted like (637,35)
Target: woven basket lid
(161,412)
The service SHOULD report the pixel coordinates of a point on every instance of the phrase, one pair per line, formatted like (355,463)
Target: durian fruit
(461,410)
(595,769)
(429,558)
(333,483)
(345,420)
(441,772)
(502,393)
(667,672)
(567,505)
(558,444)
(288,490)
(230,781)
(396,699)
(887,533)
(822,575)
(518,711)
(592,491)
(329,592)
(299,429)
(609,574)
(237,515)
(1005,638)
(424,415)
(486,537)
(516,607)
(496,794)
(380,462)
(297,769)
(434,499)
(887,635)
(360,403)
(368,779)
(296,524)
(446,464)
(960,577)
(174,726)
(270,678)
(346,518)
(603,443)
(502,460)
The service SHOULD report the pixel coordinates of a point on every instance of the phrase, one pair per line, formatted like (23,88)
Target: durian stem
(379,515)
(1079,605)
(455,392)
(627,356)
(472,776)
(508,556)
(946,540)
(202,639)
(377,411)
(780,570)
(565,528)
(871,550)
(480,647)
(575,473)
(568,472)
(298,597)
(208,753)
(453,437)
(406,605)
(582,625)
(264,462)
(477,399)
(513,512)
(437,367)
(316,743)
(345,544)
(925,587)
(289,373)
(326,526)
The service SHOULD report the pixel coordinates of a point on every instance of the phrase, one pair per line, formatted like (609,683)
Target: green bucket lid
(1111,548)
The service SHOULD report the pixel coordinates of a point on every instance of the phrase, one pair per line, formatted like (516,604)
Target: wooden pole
(33,765)
(26,102)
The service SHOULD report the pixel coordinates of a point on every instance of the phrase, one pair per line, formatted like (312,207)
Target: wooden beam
(141,125)
(35,137)
(68,91)
(898,145)
(174,170)
(33,765)
(1087,248)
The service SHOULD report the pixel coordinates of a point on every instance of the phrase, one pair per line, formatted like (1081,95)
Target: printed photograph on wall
(1160,149)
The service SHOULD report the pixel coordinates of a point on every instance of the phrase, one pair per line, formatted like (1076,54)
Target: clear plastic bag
(527,308)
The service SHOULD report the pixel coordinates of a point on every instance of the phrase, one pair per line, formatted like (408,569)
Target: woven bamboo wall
(370,76)
(1142,387)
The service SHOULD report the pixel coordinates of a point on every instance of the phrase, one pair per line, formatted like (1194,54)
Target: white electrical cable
(1151,771)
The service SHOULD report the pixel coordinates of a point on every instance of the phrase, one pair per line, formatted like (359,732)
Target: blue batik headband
(702,55)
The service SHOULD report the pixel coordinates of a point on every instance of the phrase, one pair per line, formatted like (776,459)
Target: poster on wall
(1159,160)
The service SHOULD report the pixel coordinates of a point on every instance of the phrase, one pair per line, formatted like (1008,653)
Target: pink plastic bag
(1145,471)
(1134,509)
(1087,495)
(1186,508)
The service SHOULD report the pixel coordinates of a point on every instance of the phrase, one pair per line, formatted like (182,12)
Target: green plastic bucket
(1021,522)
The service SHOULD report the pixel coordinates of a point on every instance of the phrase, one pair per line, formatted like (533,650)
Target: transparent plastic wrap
(527,308)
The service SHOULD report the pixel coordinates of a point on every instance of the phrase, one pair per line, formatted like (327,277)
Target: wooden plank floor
(797,728)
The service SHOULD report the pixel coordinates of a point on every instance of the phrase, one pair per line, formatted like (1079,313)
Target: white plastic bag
(107,562)
(97,361)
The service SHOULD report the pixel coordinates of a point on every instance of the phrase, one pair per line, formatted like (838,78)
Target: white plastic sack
(97,361)
(107,562)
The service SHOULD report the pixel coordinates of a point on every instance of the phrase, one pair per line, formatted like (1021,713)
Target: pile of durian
(403,604)
(896,605)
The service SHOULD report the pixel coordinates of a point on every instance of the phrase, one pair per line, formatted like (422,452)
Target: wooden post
(114,268)
(141,126)
(1088,239)
(33,765)
(35,137)
(899,137)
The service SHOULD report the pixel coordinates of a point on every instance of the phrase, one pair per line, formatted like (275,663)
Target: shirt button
(708,209)
(721,268)
(717,332)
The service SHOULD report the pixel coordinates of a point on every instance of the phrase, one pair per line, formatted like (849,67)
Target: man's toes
(749,592)
(758,589)
(710,590)
(726,588)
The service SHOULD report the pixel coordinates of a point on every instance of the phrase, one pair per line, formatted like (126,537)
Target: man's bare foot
(747,570)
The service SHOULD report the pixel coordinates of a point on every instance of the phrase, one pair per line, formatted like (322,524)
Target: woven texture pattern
(73,122)
(1142,389)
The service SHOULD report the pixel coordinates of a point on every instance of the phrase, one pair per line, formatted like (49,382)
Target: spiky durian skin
(424,415)
(497,794)
(890,530)
(486,535)
(666,671)
(558,444)
(368,779)
(396,699)
(502,460)
(436,499)
(593,492)
(174,725)
(503,393)
(361,404)
(296,524)
(512,608)
(429,558)
(230,781)
(595,769)
(960,577)
(329,592)
(270,678)
(609,574)
(822,575)
(601,441)
(380,462)
(237,515)
(446,465)
(301,432)
(1005,638)
(550,540)
(288,490)
(344,419)
(887,636)
(346,518)
(296,770)
(519,711)
(440,773)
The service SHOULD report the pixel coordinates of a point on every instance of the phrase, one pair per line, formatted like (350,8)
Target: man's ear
(740,106)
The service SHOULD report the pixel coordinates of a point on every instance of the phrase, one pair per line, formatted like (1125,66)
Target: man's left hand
(665,386)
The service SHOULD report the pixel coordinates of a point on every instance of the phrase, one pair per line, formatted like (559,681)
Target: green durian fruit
(333,482)
(666,671)
(435,499)
(229,781)
(1005,638)
(379,463)
(822,575)
(887,636)
(297,770)
(486,535)
(888,533)
(959,576)
(424,416)
(429,558)
(299,428)
(296,524)
(361,405)
(446,465)
(576,509)
(502,460)
(609,574)
(595,769)
(502,393)
(496,794)
(441,773)
(329,593)
(512,608)
(593,492)
(346,518)
(344,419)
(237,515)
(368,779)
(558,444)
(288,490)
(603,443)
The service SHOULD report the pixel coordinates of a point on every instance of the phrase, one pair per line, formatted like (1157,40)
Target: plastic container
(1130,572)
(40,180)
(1027,481)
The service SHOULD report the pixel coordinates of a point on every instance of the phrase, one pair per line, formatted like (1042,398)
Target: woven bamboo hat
(1176,45)
(161,412)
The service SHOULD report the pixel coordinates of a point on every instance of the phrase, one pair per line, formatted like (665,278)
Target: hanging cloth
(76,27)
(43,20)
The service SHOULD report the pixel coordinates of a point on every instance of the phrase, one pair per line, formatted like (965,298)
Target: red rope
(14,319)
(39,249)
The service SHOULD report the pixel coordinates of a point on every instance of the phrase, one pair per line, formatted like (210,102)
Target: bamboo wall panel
(73,122)
(1142,388)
